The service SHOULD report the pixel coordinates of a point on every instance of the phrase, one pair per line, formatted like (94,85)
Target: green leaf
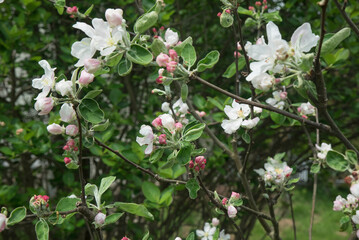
(112,218)
(184,154)
(92,94)
(90,111)
(231,70)
(89,10)
(158,47)
(147,235)
(180,47)
(60,5)
(197,152)
(140,55)
(293,180)
(42,230)
(245,11)
(315,168)
(250,22)
(101,127)
(246,137)
(166,195)
(279,156)
(277,118)
(16,216)
(344,223)
(194,132)
(193,187)
(134,208)
(190,236)
(151,192)
(188,55)
(337,161)
(184,92)
(273,16)
(330,44)
(106,183)
(351,156)
(146,21)
(208,61)
(156,155)
(226,19)
(113,59)
(124,67)
(67,204)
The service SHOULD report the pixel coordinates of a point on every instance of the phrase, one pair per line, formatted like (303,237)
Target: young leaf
(184,92)
(112,218)
(315,168)
(245,11)
(180,47)
(151,192)
(146,21)
(67,204)
(106,183)
(226,19)
(193,187)
(124,67)
(277,118)
(90,111)
(231,70)
(92,94)
(351,156)
(337,161)
(194,132)
(246,137)
(134,208)
(42,230)
(101,127)
(16,216)
(60,5)
(188,55)
(184,154)
(273,16)
(190,236)
(158,47)
(138,54)
(156,155)
(208,61)
(147,235)
(344,223)
(89,10)
(330,44)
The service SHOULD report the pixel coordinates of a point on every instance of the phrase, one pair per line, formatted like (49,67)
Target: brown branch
(292,213)
(347,18)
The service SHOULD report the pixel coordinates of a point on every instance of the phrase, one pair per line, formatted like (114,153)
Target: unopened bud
(215,222)
(72,130)
(224,201)
(55,129)
(219,14)
(92,65)
(86,78)
(72,10)
(114,16)
(100,218)
(235,195)
(173,55)
(171,66)
(283,95)
(178,126)
(236,54)
(162,59)
(162,139)
(67,160)
(157,122)
(232,211)
(251,8)
(258,4)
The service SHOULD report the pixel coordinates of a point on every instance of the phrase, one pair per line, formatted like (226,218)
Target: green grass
(326,221)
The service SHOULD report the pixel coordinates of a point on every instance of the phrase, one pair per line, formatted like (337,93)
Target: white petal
(199,233)
(272,32)
(231,126)
(87,29)
(259,52)
(303,39)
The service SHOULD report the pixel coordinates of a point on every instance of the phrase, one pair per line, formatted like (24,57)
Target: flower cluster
(278,99)
(278,56)
(323,150)
(179,108)
(239,115)
(261,6)
(70,152)
(275,173)
(210,230)
(39,203)
(306,109)
(231,204)
(198,164)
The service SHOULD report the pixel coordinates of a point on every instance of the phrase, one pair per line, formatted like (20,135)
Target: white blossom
(236,114)
(224,236)
(303,39)
(323,150)
(261,81)
(171,38)
(64,87)
(306,109)
(355,218)
(275,172)
(147,139)
(207,233)
(276,101)
(82,50)
(168,122)
(47,81)
(67,113)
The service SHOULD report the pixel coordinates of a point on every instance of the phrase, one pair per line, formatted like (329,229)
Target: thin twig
(347,18)
(292,213)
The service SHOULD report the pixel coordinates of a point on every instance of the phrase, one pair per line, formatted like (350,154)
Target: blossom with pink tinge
(235,195)
(162,59)
(232,211)
(114,16)
(157,122)
(100,218)
(67,160)
(171,66)
(67,113)
(2,222)
(162,139)
(55,129)
(44,105)
(147,139)
(173,55)
(178,126)
(339,203)
(92,65)
(215,222)
(86,78)
(72,130)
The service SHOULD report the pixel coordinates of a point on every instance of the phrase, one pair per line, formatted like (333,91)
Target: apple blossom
(339,203)
(168,122)
(67,160)
(303,39)
(47,81)
(224,236)
(275,172)
(215,222)
(92,65)
(173,55)
(83,50)
(354,189)
(2,222)
(67,113)
(125,238)
(207,233)
(355,218)
(261,81)
(114,16)
(171,38)
(165,107)
(44,105)
(64,87)
(147,139)
(100,218)
(162,59)
(157,122)
(232,211)
(323,150)
(55,129)
(178,238)
(72,10)
(171,66)
(236,114)
(250,123)
(178,126)
(235,195)
(306,109)
(162,139)
(86,78)
(277,100)
(72,130)
(224,201)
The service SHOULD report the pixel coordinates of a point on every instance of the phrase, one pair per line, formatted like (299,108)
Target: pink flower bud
(239,47)
(55,129)
(66,148)
(265,6)
(191,164)
(236,54)
(46,198)
(224,201)
(171,66)
(159,80)
(162,59)
(76,149)
(72,130)
(277,80)
(100,218)
(299,109)
(202,114)
(173,55)
(72,10)
(19,131)
(114,16)
(228,11)
(125,238)
(2,222)
(162,28)
(251,8)
(215,222)
(304,116)
(199,159)
(162,139)
(283,95)
(219,14)
(235,195)
(86,78)
(197,168)
(154,30)
(71,143)
(232,211)
(44,105)
(178,126)
(157,122)
(67,160)
(258,4)
(264,2)
(92,65)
